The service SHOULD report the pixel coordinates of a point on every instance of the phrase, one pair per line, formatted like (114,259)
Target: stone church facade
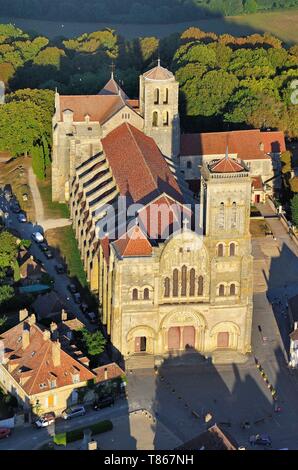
(164,287)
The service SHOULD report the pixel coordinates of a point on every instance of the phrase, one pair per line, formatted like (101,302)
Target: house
(260,151)
(31,271)
(37,370)
(293,315)
(48,305)
(212,439)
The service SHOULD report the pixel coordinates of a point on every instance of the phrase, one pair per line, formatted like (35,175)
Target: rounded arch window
(156,96)
(167,287)
(165,118)
(192,282)
(183,280)
(166,96)
(135,294)
(233,289)
(175,282)
(221,290)
(146,293)
(220,249)
(200,285)
(232,249)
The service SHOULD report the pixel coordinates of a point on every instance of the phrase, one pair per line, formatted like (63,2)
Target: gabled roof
(112,88)
(36,360)
(98,107)
(247,145)
(274,141)
(257,182)
(138,166)
(133,243)
(226,165)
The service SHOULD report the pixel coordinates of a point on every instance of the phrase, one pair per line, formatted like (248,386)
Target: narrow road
(38,204)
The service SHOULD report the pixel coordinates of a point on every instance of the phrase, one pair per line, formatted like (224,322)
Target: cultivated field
(282,23)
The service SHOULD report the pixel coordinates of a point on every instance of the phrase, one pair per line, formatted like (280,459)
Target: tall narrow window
(166,96)
(175,283)
(167,287)
(234,215)
(155,119)
(189,164)
(156,96)
(184,280)
(221,290)
(221,216)
(135,294)
(200,285)
(232,289)
(220,250)
(165,118)
(192,282)
(232,249)
(146,294)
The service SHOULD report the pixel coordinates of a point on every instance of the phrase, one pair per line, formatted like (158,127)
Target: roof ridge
(39,367)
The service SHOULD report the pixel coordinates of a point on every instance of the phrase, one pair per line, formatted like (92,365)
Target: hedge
(78,434)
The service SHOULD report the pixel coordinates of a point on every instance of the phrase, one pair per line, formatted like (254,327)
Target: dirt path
(38,204)
(39,209)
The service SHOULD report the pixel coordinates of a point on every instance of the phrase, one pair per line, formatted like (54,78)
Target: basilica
(176,273)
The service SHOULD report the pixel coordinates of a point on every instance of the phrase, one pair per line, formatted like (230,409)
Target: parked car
(92,317)
(72,288)
(4,432)
(103,403)
(77,297)
(48,254)
(73,412)
(84,307)
(45,420)
(43,246)
(60,269)
(260,440)
(22,218)
(16,209)
(37,237)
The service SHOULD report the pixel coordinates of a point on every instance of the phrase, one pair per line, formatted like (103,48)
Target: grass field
(52,210)
(281,23)
(65,244)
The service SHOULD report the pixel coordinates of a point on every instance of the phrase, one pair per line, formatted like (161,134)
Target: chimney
(26,336)
(262,146)
(63,315)
(23,314)
(46,335)
(32,319)
(106,373)
(54,331)
(56,353)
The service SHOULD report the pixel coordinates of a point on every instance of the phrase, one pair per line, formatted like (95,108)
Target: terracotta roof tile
(98,107)
(133,243)
(158,73)
(138,166)
(247,145)
(226,165)
(37,361)
(257,182)
(112,88)
(274,142)
(111,371)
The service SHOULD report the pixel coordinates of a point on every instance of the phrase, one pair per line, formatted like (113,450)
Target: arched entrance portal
(181,337)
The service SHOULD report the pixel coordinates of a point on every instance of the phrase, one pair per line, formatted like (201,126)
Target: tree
(8,249)
(286,161)
(6,293)
(94,342)
(250,6)
(294,209)
(3,320)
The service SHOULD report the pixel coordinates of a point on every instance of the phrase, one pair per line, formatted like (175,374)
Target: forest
(136,11)
(226,82)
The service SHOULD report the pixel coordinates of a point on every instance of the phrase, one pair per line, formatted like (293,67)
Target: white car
(45,420)
(37,237)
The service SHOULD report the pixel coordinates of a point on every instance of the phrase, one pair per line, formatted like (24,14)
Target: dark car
(48,254)
(43,246)
(60,269)
(260,440)
(77,297)
(22,218)
(72,288)
(91,317)
(16,209)
(103,403)
(4,432)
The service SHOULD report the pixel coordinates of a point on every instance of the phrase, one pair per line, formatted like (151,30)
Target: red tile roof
(247,145)
(158,73)
(274,142)
(226,165)
(133,243)
(138,166)
(257,182)
(35,362)
(98,107)
(108,372)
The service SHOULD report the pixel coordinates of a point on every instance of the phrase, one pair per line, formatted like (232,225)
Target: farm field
(280,23)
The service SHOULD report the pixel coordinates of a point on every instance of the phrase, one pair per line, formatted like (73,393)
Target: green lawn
(63,239)
(52,210)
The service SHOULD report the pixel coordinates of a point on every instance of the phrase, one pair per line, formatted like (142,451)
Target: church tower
(225,220)
(159,96)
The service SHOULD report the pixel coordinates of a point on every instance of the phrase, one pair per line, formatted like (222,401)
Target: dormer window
(42,385)
(53,383)
(76,378)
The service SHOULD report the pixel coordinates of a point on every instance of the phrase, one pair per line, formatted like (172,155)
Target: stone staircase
(139,361)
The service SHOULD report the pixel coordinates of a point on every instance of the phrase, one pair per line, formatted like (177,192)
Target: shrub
(78,434)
